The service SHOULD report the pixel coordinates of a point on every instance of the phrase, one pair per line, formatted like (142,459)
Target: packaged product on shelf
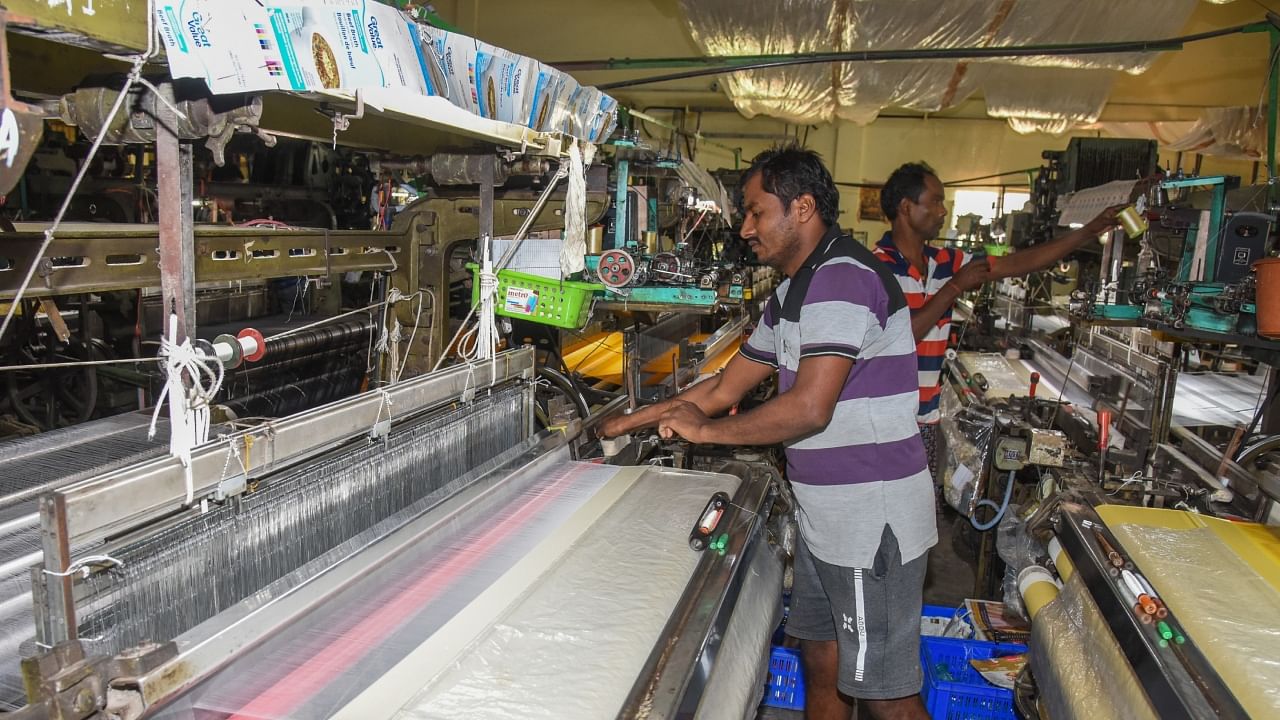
(453,56)
(603,120)
(556,119)
(393,38)
(540,95)
(324,47)
(582,110)
(236,54)
(507,82)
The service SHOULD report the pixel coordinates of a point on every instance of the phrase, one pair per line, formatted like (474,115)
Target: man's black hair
(790,171)
(905,182)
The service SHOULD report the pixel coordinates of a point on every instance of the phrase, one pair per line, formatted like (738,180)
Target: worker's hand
(972,276)
(684,419)
(1105,220)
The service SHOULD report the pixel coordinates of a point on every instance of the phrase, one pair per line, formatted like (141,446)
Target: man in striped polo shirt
(838,333)
(933,278)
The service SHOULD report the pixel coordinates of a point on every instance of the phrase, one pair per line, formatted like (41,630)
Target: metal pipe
(561,173)
(988,177)
(731,64)
(177,243)
(642,114)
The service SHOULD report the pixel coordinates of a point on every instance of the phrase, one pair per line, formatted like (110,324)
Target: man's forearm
(784,418)
(1041,256)
(926,318)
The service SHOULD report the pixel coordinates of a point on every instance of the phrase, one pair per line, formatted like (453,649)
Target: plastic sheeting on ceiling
(1047,94)
(1238,133)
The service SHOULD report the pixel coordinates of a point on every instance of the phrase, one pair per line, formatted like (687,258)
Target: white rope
(457,341)
(135,74)
(189,407)
(486,345)
(391,337)
(573,250)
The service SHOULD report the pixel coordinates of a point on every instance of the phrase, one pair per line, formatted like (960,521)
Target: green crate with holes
(562,303)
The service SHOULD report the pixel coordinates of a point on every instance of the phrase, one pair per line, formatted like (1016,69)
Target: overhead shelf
(393,121)
(435,113)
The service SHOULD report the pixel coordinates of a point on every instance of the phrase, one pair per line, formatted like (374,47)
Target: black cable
(1067,49)
(1257,418)
(566,386)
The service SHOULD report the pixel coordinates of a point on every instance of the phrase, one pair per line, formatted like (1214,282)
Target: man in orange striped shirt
(933,278)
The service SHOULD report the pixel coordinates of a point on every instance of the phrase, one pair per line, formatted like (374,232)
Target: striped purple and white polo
(868,467)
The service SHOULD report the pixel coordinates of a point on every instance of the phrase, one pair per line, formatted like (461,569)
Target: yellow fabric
(601,358)
(1257,545)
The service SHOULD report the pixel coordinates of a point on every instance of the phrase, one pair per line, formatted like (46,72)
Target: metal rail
(677,671)
(84,258)
(94,510)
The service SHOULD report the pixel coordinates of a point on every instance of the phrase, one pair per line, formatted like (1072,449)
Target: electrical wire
(999,509)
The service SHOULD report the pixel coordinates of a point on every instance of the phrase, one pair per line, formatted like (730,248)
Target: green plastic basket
(562,303)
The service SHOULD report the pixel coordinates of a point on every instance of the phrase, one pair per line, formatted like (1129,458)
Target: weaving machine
(412,552)
(1211,650)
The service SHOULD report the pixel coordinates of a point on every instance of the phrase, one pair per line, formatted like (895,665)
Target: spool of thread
(1038,588)
(1113,555)
(1148,605)
(1131,599)
(651,243)
(1060,559)
(595,240)
(1132,221)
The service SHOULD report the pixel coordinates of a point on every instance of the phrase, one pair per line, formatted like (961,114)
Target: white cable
(487,325)
(417,319)
(82,566)
(481,341)
(139,61)
(387,338)
(189,407)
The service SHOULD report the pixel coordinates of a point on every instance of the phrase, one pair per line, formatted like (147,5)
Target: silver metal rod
(561,173)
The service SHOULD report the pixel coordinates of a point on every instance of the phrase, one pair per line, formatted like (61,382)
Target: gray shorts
(873,615)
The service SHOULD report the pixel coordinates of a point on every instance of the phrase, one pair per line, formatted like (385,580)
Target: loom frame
(97,509)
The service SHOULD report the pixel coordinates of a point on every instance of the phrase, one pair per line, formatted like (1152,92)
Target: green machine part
(1218,185)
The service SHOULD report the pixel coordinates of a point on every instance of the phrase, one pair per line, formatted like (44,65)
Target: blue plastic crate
(786,680)
(953,690)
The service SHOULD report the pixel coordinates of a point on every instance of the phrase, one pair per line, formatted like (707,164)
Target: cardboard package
(393,39)
(324,44)
(227,43)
